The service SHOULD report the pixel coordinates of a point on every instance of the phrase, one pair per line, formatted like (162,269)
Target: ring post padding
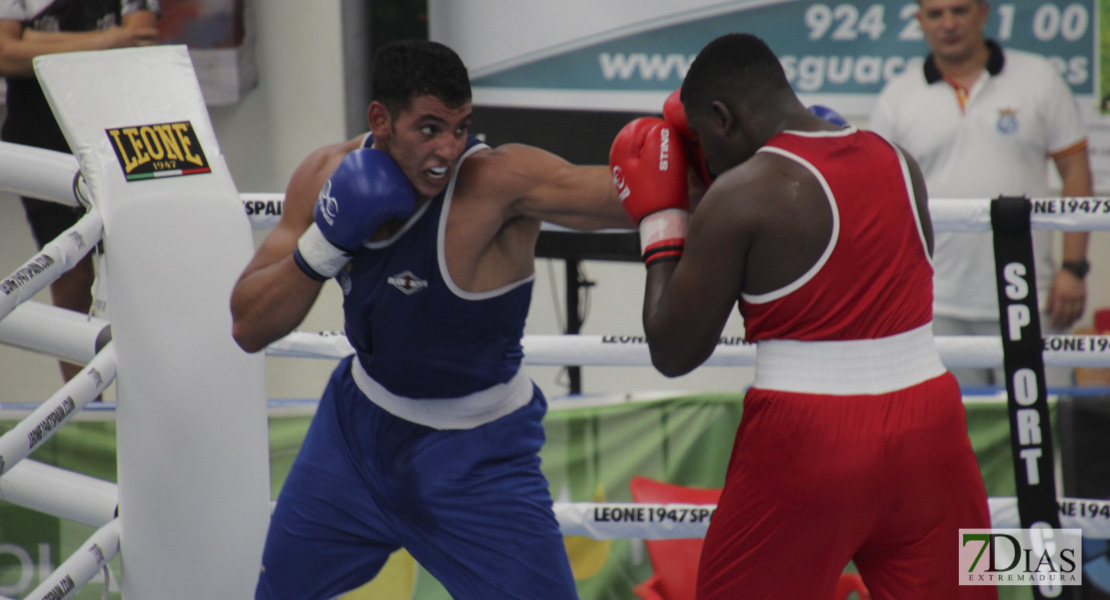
(193,463)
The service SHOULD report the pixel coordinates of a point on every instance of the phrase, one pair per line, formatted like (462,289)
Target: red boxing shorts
(885,480)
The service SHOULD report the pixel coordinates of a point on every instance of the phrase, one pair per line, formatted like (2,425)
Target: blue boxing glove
(828,114)
(367,189)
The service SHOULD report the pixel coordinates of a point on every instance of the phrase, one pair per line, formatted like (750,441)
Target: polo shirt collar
(994,63)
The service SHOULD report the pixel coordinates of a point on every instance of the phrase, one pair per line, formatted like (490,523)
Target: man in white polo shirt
(983,122)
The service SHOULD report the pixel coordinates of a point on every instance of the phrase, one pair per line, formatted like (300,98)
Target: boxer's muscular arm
(545,187)
(692,282)
(273,295)
(687,303)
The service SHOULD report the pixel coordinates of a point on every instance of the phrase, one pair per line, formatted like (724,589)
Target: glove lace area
(317,257)
(663,235)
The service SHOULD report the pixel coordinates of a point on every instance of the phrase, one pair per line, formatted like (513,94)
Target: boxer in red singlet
(853,445)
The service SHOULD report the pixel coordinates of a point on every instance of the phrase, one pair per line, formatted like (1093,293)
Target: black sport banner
(1023,362)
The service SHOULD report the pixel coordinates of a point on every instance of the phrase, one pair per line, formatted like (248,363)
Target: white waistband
(464,412)
(848,367)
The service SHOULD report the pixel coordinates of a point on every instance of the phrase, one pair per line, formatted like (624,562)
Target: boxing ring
(160,420)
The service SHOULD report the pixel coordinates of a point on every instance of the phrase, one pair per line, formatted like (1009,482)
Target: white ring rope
(622,520)
(38,173)
(263,210)
(33,431)
(61,333)
(29,171)
(1063,214)
(81,566)
(954,215)
(93,502)
(632,351)
(948,214)
(57,256)
(35,485)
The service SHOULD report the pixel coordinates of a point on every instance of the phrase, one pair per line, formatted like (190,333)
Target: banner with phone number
(838,52)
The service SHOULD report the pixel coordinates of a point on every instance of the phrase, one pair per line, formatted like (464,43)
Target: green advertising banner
(591,454)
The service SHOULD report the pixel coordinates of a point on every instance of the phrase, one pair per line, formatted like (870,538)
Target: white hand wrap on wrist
(317,257)
(663,235)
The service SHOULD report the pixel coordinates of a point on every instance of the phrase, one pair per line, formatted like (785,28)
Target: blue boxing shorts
(470,505)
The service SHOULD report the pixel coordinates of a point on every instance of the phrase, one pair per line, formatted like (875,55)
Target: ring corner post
(193,454)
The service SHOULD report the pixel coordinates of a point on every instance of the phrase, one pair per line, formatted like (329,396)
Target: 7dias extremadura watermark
(1045,557)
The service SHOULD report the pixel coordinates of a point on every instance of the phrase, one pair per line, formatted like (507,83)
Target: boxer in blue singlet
(428,437)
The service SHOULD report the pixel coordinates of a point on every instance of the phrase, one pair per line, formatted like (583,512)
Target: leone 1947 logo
(158,150)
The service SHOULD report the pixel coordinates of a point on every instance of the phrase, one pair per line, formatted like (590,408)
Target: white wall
(296,107)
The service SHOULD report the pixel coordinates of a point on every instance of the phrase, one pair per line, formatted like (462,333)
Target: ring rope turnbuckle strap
(1023,364)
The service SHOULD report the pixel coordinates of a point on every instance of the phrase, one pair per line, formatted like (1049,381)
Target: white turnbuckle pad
(194,489)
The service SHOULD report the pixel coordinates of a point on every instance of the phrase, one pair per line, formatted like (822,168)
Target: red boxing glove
(675,114)
(650,174)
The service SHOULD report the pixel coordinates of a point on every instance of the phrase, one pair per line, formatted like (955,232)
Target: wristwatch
(1079,268)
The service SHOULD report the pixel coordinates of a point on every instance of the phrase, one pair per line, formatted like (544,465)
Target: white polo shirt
(1017,116)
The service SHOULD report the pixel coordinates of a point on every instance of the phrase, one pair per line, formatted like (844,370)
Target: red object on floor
(676,561)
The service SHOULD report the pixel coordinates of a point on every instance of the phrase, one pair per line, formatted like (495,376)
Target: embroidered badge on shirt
(407,282)
(1007,121)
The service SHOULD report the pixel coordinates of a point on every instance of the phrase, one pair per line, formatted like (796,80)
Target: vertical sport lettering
(1017,289)
(1025,380)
